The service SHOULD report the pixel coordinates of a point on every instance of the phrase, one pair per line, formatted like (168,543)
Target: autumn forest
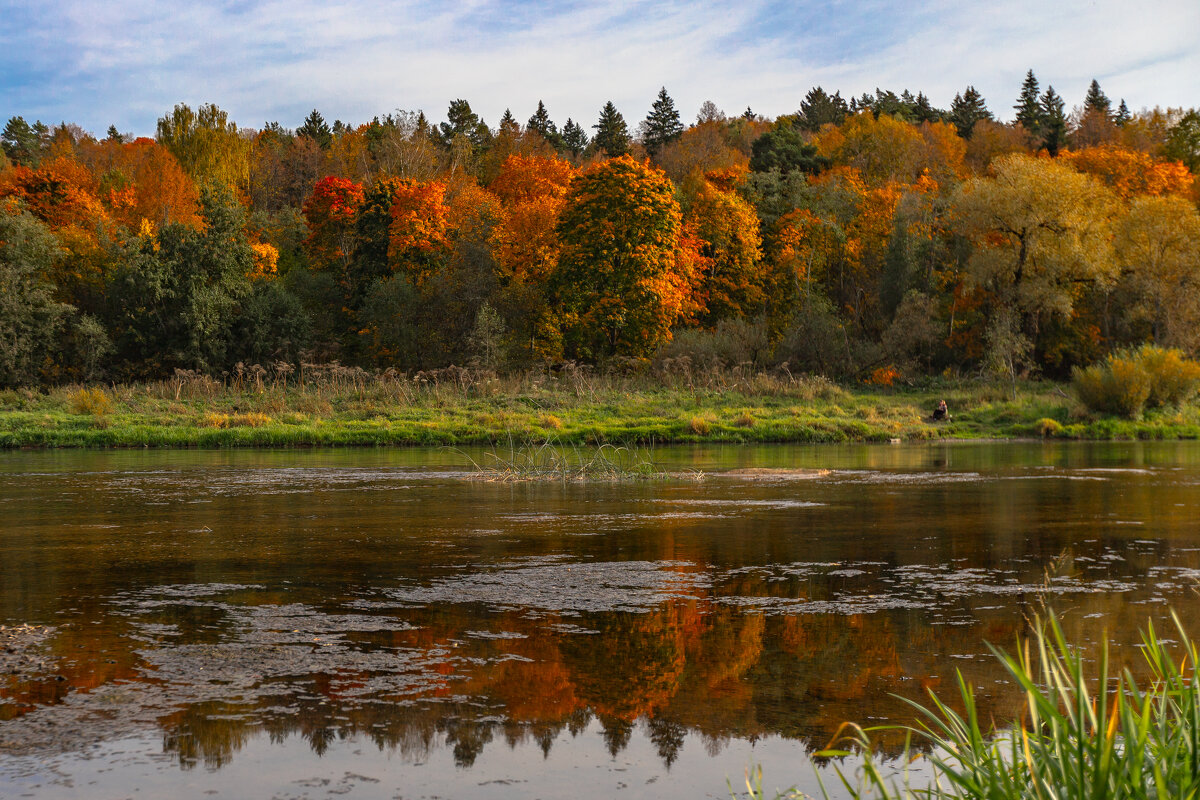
(879,239)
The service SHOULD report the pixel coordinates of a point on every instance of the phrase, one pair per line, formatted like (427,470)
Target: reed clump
(1084,733)
(551,462)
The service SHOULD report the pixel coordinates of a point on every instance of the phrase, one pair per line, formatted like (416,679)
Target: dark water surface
(372,624)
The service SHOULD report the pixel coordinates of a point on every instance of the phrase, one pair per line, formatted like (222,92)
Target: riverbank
(349,408)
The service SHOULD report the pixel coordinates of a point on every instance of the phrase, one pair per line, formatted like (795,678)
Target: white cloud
(130,62)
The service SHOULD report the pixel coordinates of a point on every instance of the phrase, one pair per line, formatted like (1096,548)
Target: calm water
(373,624)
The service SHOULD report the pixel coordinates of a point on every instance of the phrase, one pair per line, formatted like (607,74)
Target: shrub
(94,401)
(1128,382)
(698,426)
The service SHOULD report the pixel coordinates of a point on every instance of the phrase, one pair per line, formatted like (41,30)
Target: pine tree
(1096,101)
(314,127)
(1123,114)
(662,125)
(574,138)
(923,110)
(612,135)
(818,108)
(968,108)
(1054,121)
(22,142)
(509,125)
(114,135)
(462,120)
(1029,107)
(541,123)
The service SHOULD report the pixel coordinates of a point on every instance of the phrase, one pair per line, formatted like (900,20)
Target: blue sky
(127,63)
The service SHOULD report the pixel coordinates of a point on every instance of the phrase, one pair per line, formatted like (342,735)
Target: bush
(90,401)
(1128,382)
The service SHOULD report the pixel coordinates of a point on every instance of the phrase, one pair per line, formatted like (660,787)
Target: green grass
(373,411)
(1084,733)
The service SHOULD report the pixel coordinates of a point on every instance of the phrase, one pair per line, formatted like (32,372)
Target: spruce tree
(1029,107)
(1096,101)
(819,108)
(612,135)
(509,124)
(314,127)
(968,108)
(1054,121)
(1123,114)
(662,125)
(574,138)
(923,110)
(541,124)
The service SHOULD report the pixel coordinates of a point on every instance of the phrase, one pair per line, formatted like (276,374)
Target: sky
(127,62)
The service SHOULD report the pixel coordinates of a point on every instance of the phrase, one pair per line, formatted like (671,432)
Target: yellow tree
(1158,248)
(623,278)
(1042,235)
(207,145)
(732,282)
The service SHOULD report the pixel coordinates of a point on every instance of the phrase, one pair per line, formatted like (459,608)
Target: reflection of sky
(128,62)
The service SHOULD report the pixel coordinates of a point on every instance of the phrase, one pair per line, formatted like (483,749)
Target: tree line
(878,238)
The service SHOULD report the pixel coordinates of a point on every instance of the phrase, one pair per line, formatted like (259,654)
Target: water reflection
(224,598)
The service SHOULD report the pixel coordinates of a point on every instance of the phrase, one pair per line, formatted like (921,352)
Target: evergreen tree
(818,108)
(315,128)
(461,120)
(612,135)
(541,123)
(22,142)
(1123,114)
(114,135)
(509,125)
(1029,107)
(783,148)
(1096,101)
(923,110)
(967,109)
(662,125)
(574,138)
(1054,121)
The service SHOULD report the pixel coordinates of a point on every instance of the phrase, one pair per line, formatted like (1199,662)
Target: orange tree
(622,277)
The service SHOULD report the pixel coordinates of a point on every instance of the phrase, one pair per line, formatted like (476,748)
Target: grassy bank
(347,407)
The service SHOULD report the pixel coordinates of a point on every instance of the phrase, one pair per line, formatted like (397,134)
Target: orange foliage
(730,246)
(142,180)
(420,226)
(61,193)
(1132,172)
(331,211)
(266,260)
(532,191)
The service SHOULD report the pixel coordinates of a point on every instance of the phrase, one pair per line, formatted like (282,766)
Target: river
(380,623)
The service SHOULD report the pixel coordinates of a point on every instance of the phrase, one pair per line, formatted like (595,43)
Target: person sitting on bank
(941,411)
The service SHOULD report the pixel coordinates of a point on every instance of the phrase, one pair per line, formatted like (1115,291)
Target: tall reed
(1079,737)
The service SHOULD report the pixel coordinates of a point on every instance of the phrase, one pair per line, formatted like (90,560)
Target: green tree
(818,109)
(1096,101)
(461,120)
(1029,106)
(662,125)
(1054,121)
(574,138)
(1122,115)
(176,295)
(783,148)
(612,134)
(621,279)
(22,142)
(30,318)
(967,109)
(315,128)
(1183,141)
(541,124)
